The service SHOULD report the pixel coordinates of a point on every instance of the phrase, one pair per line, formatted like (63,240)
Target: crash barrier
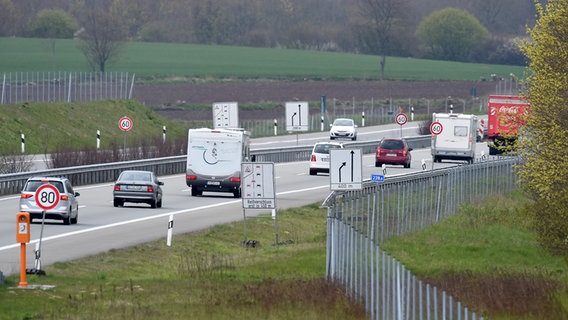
(107,172)
(359,221)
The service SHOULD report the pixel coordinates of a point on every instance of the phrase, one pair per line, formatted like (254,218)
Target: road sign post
(46,197)
(401,119)
(257,186)
(125,124)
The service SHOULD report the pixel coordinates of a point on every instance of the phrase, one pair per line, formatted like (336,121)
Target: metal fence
(360,221)
(20,87)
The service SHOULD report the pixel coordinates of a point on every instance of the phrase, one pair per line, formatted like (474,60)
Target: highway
(102,227)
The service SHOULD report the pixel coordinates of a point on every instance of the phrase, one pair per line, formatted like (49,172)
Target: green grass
(190,62)
(48,126)
(203,275)
(486,256)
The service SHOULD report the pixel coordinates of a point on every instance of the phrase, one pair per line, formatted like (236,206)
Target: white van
(457,138)
(214,158)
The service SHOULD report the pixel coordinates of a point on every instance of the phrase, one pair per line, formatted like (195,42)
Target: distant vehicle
(505,114)
(138,187)
(319,159)
(343,128)
(457,139)
(214,158)
(393,151)
(68,206)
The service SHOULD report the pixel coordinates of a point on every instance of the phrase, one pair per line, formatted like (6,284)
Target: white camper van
(214,158)
(457,138)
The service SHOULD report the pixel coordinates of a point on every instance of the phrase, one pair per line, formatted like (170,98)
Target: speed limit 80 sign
(47,196)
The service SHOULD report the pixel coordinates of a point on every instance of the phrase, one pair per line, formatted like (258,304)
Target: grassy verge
(486,256)
(51,126)
(205,275)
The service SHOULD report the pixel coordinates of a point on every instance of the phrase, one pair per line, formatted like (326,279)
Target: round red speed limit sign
(47,196)
(436,128)
(401,118)
(125,124)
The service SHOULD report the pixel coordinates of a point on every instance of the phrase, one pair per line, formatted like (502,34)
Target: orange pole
(23,282)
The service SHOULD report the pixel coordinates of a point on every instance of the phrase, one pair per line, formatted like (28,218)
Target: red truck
(505,115)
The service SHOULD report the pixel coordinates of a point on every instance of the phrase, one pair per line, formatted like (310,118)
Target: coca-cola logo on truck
(504,110)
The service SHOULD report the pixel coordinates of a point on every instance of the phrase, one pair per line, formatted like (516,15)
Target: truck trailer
(505,114)
(214,158)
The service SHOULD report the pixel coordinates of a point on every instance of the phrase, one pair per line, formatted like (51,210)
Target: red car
(393,151)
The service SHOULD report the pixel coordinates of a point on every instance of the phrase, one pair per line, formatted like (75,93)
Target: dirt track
(278,92)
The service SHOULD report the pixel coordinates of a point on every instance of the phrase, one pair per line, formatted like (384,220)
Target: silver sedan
(138,187)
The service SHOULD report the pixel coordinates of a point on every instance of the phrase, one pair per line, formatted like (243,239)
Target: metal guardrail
(107,172)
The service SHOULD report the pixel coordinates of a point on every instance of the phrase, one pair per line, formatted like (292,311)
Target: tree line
(459,30)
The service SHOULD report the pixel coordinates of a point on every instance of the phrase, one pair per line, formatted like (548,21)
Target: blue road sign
(378,178)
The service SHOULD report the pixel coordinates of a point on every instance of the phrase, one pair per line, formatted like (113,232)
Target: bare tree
(103,32)
(381,16)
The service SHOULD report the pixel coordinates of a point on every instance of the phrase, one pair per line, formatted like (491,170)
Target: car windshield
(32,185)
(324,148)
(343,122)
(392,144)
(136,176)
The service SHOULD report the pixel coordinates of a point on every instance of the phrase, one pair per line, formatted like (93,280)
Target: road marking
(149,218)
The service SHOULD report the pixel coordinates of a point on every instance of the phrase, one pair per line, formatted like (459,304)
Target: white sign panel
(297,118)
(225,115)
(346,169)
(257,185)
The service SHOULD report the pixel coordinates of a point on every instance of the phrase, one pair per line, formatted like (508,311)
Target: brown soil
(278,92)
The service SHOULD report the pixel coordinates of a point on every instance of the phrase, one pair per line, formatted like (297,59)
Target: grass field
(189,62)
(486,256)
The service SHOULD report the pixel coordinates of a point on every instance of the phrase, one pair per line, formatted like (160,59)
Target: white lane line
(148,218)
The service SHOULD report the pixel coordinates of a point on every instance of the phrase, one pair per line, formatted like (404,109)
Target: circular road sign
(436,128)
(125,124)
(401,118)
(47,196)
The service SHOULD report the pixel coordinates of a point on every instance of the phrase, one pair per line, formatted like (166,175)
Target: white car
(319,160)
(343,128)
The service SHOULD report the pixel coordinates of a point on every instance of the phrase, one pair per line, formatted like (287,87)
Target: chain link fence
(360,221)
(21,87)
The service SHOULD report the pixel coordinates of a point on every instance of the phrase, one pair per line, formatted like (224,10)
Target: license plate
(213,183)
(132,188)
(325,159)
(391,154)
